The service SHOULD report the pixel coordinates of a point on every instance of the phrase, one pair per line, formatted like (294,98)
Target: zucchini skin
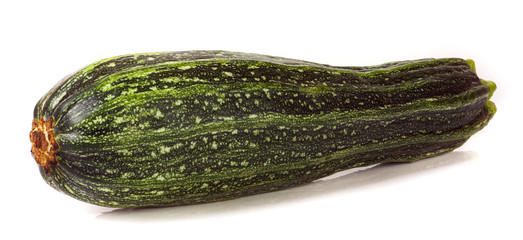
(177,128)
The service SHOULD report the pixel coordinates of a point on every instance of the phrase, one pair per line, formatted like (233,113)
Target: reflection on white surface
(343,182)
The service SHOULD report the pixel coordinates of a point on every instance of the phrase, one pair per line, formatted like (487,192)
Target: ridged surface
(190,127)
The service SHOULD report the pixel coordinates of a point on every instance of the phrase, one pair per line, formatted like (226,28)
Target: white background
(472,193)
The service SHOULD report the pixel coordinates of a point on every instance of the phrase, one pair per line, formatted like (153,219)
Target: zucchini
(176,128)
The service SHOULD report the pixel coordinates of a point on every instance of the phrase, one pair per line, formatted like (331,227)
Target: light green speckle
(184,67)
(109,97)
(125,152)
(98,119)
(178,145)
(127,175)
(129,91)
(158,114)
(318,127)
(106,87)
(165,149)
(103,189)
(119,120)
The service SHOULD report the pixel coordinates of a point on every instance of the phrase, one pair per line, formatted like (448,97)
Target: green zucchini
(176,128)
